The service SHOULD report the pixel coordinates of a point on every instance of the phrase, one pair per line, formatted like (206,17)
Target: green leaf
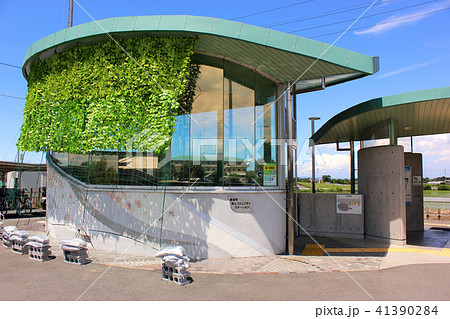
(95,97)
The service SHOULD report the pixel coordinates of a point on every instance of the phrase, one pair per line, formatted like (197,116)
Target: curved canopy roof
(280,56)
(415,113)
(15,166)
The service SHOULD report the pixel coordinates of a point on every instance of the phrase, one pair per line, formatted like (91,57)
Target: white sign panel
(417,180)
(348,204)
(240,204)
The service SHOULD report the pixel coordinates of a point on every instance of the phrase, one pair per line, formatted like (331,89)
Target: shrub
(426,187)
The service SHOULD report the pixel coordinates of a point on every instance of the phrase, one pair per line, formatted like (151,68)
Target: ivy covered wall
(98,97)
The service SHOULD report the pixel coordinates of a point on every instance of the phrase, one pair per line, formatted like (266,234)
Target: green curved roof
(280,56)
(415,113)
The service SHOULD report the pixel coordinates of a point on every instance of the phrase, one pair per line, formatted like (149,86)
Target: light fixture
(407,128)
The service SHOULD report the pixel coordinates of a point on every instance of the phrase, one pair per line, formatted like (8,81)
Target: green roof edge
(206,25)
(382,102)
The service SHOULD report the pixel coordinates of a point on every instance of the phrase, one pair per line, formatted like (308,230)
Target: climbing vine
(99,97)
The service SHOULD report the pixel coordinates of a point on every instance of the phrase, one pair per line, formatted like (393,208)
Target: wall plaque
(240,204)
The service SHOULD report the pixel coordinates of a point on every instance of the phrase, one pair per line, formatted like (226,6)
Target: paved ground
(357,272)
(25,279)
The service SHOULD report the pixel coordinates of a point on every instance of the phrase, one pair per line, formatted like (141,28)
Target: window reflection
(225,141)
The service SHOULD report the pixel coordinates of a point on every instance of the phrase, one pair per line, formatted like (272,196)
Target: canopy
(409,114)
(280,56)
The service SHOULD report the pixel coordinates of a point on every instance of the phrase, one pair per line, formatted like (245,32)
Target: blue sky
(410,37)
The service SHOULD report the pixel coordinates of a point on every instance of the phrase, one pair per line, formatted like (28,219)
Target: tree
(198,172)
(326,178)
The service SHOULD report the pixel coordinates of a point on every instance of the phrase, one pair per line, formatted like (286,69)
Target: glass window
(239,131)
(78,166)
(137,168)
(265,133)
(227,140)
(180,165)
(206,151)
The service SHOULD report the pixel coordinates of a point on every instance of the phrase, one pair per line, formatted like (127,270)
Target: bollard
(439,214)
(428,214)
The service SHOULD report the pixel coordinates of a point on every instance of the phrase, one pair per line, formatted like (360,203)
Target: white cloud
(409,68)
(436,153)
(335,161)
(400,20)
(434,148)
(337,165)
(432,145)
(444,157)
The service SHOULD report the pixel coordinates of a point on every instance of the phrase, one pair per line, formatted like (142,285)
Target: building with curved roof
(217,187)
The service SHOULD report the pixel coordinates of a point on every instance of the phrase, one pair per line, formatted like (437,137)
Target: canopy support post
(352,168)
(392,136)
(290,170)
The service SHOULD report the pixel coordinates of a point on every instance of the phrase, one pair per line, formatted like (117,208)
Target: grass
(338,188)
(325,188)
(431,193)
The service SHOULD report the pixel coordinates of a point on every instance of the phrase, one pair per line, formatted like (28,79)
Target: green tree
(326,178)
(198,171)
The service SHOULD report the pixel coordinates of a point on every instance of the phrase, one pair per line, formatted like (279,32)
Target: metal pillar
(290,171)
(313,155)
(352,168)
(351,149)
(392,136)
(297,216)
(70,13)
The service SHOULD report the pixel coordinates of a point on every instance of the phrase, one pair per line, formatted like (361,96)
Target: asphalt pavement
(356,271)
(25,279)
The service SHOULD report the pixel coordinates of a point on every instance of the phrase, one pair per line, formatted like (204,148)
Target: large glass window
(226,140)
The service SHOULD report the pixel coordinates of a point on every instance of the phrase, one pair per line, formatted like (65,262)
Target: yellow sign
(270,175)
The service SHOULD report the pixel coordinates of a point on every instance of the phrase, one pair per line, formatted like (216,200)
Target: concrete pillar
(414,211)
(381,179)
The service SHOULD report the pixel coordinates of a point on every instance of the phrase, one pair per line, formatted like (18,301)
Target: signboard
(240,204)
(417,180)
(408,185)
(270,175)
(348,204)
